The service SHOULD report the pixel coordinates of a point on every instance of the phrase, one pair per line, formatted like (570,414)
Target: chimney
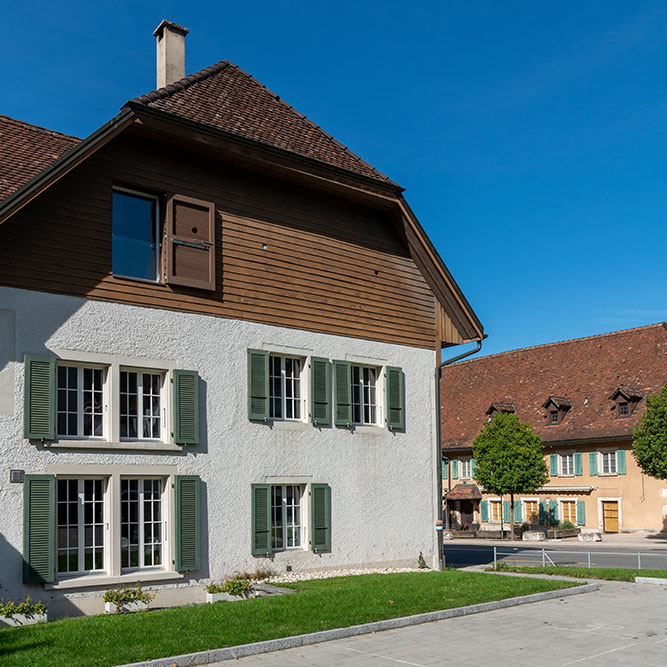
(170,52)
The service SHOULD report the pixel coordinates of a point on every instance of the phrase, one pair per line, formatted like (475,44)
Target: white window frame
(561,513)
(525,502)
(303,389)
(303,517)
(491,501)
(612,457)
(156,223)
(164,427)
(80,366)
(362,387)
(561,464)
(465,466)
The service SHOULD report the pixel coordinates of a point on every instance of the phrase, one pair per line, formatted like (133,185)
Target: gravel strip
(291,577)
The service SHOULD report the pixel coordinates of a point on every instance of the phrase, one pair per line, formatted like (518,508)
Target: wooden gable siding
(318,271)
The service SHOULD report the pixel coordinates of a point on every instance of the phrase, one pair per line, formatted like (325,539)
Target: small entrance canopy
(464,492)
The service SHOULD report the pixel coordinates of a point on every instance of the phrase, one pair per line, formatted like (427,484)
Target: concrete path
(622,624)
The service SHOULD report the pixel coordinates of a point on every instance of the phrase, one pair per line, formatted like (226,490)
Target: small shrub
(26,607)
(259,574)
(565,525)
(421,563)
(123,596)
(237,585)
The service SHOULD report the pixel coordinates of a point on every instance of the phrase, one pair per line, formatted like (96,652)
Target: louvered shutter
(38,529)
(581,513)
(542,512)
(395,391)
(473,465)
(187,522)
(620,461)
(320,386)
(455,468)
(517,511)
(39,416)
(484,509)
(190,242)
(320,517)
(553,511)
(258,385)
(261,520)
(553,465)
(506,510)
(186,407)
(443,465)
(578,465)
(342,372)
(593,463)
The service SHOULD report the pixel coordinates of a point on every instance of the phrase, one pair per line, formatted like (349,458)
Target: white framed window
(142,523)
(80,530)
(531,511)
(465,468)
(141,405)
(80,401)
(365,395)
(287,516)
(568,511)
(495,510)
(567,464)
(608,463)
(286,392)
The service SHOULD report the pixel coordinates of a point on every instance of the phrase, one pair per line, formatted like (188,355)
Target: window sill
(286,425)
(105,444)
(92,580)
(607,474)
(368,429)
(287,555)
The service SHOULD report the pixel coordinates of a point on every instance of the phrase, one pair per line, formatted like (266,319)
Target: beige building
(584,398)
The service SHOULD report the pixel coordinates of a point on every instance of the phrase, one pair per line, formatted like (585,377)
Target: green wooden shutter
(186,407)
(593,463)
(39,413)
(395,393)
(188,522)
(553,465)
(320,391)
(472,467)
(258,385)
(553,511)
(38,529)
(578,466)
(517,511)
(342,371)
(620,461)
(455,468)
(581,513)
(261,520)
(506,510)
(320,517)
(484,508)
(542,512)
(444,466)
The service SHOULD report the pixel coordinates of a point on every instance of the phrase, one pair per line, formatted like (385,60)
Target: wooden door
(610,514)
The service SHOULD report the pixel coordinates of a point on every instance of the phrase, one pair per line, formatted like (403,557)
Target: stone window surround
(113,364)
(599,454)
(112,512)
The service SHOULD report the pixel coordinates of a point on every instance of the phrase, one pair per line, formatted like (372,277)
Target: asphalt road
(463,555)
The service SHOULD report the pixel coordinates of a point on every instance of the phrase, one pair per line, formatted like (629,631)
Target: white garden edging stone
(226,597)
(19,619)
(128,607)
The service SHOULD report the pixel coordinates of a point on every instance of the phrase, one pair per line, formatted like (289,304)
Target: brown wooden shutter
(189,242)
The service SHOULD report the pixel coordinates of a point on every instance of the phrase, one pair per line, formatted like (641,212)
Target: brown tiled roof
(586,370)
(227,98)
(26,150)
(500,406)
(558,401)
(464,492)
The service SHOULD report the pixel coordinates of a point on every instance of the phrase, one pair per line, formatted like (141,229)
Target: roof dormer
(500,406)
(625,400)
(556,408)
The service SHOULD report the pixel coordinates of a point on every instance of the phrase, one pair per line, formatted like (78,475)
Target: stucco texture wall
(381,482)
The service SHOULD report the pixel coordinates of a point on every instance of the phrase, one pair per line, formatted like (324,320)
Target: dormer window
(500,406)
(625,400)
(556,408)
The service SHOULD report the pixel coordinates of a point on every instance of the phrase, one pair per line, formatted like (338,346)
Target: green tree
(509,459)
(650,437)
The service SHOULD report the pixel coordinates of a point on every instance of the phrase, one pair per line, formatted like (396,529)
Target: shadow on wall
(660,537)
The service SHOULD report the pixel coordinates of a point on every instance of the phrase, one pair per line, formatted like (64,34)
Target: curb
(243,650)
(651,580)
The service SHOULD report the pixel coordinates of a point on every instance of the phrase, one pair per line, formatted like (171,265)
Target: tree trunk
(502,521)
(511,516)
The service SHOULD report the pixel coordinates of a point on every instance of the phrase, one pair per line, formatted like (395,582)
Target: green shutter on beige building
(593,463)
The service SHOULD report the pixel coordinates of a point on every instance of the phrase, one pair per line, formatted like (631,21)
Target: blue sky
(531,137)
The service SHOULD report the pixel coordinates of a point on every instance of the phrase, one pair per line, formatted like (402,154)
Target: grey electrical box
(16,476)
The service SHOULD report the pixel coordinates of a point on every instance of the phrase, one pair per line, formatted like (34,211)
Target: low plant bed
(230,590)
(320,604)
(607,573)
(25,612)
(127,600)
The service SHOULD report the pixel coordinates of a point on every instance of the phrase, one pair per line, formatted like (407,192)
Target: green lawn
(319,605)
(608,573)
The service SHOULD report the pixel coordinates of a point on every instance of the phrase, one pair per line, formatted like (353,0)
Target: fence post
(544,562)
(639,561)
(589,560)
(495,558)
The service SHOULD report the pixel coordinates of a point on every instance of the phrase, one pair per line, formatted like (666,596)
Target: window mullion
(81,530)
(283,386)
(140,518)
(79,402)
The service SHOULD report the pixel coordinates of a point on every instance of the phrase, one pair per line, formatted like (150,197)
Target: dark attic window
(553,416)
(556,408)
(625,400)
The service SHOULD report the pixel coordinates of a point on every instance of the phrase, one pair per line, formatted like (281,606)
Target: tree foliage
(508,457)
(650,437)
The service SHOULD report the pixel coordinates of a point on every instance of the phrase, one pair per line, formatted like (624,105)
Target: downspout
(438,403)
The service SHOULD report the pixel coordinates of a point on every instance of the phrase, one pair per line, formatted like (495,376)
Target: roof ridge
(39,127)
(561,342)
